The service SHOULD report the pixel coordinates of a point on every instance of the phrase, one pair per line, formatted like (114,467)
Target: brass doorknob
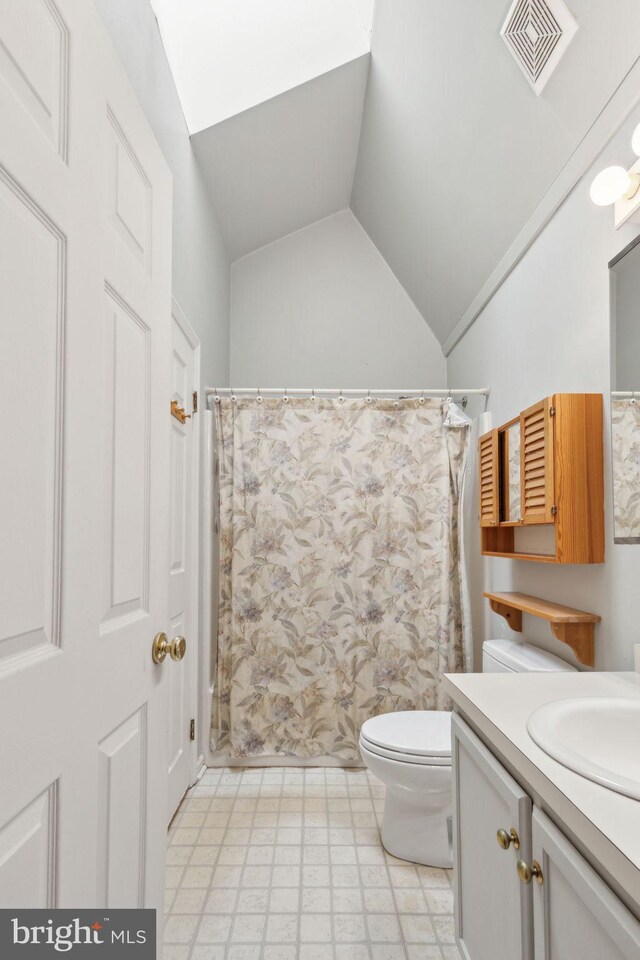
(527,873)
(506,839)
(162,646)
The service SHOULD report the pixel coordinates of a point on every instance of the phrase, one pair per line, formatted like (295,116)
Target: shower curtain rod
(335,392)
(632,394)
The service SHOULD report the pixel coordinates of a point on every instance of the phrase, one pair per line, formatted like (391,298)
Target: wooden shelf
(536,557)
(573,627)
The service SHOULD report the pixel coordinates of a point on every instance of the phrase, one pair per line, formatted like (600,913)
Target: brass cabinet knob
(527,873)
(162,646)
(506,839)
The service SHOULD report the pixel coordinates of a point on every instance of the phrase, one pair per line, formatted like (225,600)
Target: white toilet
(410,751)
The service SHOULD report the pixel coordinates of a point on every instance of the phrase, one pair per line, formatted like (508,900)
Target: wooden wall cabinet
(545,467)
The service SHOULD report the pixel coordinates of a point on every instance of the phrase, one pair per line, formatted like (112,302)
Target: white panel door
(85,262)
(183,559)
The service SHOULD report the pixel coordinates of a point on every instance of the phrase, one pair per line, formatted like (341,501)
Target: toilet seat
(411,736)
(404,757)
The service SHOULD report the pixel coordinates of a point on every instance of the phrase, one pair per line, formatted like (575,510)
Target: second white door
(183,563)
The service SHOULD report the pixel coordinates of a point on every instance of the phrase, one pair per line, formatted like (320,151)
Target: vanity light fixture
(615,185)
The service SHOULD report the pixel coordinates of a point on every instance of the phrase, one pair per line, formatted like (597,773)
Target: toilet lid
(418,733)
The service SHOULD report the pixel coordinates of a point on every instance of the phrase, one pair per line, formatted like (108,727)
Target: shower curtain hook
(313,394)
(285,399)
(259,396)
(368,400)
(340,398)
(216,398)
(233,396)
(633,397)
(422,395)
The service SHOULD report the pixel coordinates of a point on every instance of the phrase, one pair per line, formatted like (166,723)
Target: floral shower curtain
(341,590)
(625,434)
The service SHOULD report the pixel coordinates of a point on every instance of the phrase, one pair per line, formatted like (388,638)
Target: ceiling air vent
(537,32)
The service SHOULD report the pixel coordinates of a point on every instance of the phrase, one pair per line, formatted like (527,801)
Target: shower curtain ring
(313,394)
(633,397)
(259,396)
(285,399)
(422,395)
(233,396)
(340,398)
(216,398)
(368,400)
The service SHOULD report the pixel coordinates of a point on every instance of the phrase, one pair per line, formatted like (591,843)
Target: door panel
(34,64)
(85,264)
(489,897)
(27,853)
(121,797)
(126,451)
(32,258)
(576,914)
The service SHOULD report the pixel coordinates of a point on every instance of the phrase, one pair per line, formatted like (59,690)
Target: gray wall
(322,308)
(547,330)
(200,261)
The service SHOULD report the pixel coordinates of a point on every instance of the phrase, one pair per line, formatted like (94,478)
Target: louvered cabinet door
(488,461)
(537,463)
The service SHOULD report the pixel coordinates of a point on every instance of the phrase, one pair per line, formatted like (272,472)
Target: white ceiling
(226,56)
(287,162)
(456,149)
(454,152)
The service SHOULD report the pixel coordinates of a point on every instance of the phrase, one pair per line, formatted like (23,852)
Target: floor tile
(286,863)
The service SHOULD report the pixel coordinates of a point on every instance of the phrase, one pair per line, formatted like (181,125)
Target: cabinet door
(488,484)
(493,911)
(537,463)
(575,912)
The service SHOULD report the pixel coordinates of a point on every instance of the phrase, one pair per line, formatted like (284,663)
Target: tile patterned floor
(286,864)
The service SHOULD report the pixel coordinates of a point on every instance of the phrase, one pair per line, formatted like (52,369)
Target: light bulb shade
(635,141)
(610,185)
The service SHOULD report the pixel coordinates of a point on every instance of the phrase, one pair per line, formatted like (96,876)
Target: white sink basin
(597,737)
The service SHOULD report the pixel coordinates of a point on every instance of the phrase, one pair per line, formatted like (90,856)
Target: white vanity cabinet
(560,909)
(493,910)
(576,916)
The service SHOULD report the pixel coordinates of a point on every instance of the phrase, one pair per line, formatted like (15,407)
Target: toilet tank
(510,656)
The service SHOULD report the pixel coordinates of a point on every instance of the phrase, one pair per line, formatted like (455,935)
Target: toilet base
(415,831)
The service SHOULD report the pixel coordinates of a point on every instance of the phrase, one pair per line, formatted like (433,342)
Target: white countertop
(605,823)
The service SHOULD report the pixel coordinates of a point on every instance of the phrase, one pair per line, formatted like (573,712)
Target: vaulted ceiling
(443,160)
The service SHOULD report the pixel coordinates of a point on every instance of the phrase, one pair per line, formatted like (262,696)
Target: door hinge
(554,510)
(192,730)
(195,401)
(552,411)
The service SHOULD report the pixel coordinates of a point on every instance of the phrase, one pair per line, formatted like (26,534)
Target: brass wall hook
(178,412)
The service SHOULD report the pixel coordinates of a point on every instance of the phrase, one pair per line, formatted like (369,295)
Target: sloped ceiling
(227,56)
(287,162)
(457,151)
(454,149)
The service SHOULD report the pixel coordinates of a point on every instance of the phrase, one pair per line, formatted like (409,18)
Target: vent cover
(537,32)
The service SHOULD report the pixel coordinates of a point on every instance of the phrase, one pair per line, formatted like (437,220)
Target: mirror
(511,473)
(625,398)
